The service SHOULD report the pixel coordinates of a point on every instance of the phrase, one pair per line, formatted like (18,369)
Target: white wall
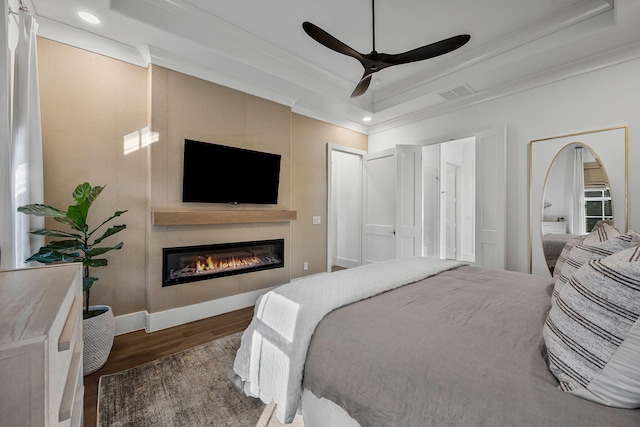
(596,100)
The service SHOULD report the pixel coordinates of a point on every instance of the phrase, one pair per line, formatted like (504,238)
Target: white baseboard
(469,257)
(346,262)
(131,322)
(152,322)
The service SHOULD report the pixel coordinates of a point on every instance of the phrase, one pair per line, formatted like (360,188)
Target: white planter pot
(97,334)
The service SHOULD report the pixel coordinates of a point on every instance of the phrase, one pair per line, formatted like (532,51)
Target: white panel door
(408,201)
(378,243)
(491,196)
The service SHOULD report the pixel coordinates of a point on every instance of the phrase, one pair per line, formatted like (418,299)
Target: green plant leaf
(85,193)
(48,256)
(42,210)
(64,246)
(54,233)
(68,222)
(84,196)
(99,262)
(45,257)
(115,215)
(110,232)
(74,257)
(78,215)
(87,282)
(99,251)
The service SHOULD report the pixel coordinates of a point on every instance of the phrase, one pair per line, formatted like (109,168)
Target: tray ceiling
(260,48)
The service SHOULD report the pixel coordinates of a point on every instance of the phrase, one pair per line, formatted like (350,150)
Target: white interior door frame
(451,218)
(331,150)
(490,192)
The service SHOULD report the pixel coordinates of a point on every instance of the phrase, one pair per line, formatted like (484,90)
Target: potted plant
(80,245)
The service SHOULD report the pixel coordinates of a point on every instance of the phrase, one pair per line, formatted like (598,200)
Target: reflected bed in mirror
(576,181)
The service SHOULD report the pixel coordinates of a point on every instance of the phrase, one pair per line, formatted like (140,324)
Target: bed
(461,346)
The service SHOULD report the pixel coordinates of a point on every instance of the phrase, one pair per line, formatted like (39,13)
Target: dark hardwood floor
(139,347)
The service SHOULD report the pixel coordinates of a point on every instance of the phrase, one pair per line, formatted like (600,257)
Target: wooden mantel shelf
(209,217)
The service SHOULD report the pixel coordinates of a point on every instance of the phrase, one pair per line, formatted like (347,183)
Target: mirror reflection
(576,197)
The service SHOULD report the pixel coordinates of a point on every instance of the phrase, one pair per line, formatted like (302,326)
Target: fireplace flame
(211,264)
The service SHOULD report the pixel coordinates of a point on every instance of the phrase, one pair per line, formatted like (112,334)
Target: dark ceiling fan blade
(374,61)
(362,86)
(326,39)
(429,51)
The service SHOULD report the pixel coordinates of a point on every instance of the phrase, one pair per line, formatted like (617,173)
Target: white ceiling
(259,47)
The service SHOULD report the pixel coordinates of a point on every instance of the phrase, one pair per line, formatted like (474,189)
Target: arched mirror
(560,205)
(576,196)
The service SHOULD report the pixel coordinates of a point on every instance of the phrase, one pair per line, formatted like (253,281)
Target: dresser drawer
(68,404)
(41,346)
(65,352)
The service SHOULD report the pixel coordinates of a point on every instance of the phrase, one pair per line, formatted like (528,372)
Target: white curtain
(6,234)
(579,225)
(23,152)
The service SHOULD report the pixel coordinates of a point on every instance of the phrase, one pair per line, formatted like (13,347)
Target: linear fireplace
(192,263)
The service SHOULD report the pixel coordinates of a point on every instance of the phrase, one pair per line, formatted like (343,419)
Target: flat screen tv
(219,174)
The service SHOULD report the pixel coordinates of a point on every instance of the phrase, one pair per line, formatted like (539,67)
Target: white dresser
(41,380)
(554,227)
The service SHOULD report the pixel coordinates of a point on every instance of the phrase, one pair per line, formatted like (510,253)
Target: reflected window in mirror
(597,206)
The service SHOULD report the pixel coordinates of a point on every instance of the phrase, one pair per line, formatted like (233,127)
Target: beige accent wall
(309,193)
(187,107)
(89,104)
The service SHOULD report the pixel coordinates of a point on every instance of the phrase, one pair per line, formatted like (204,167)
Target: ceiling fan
(374,61)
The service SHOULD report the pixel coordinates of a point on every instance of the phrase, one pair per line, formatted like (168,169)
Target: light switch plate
(316,220)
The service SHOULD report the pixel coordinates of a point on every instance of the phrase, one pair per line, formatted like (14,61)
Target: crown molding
(626,53)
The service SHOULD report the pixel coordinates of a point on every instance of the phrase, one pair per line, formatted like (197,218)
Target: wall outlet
(316,220)
(305,265)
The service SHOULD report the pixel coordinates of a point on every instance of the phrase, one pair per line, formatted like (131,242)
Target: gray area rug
(190,388)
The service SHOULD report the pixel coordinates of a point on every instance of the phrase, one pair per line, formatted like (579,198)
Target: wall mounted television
(220,174)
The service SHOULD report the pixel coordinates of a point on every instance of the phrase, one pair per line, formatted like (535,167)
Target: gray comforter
(463,348)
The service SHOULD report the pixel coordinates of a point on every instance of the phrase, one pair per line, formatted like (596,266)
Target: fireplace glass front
(192,263)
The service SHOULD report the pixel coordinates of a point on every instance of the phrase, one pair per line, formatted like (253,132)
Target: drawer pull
(64,343)
(69,393)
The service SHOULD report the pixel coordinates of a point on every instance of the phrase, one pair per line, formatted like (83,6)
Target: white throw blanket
(273,350)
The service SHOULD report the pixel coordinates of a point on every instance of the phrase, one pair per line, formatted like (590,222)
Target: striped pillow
(600,243)
(565,254)
(592,333)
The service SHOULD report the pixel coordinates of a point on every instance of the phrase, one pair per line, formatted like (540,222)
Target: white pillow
(592,333)
(600,243)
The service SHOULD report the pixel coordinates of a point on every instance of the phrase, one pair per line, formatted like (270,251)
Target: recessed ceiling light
(89,17)
(366,119)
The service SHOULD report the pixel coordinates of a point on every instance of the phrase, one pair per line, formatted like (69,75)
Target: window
(597,206)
